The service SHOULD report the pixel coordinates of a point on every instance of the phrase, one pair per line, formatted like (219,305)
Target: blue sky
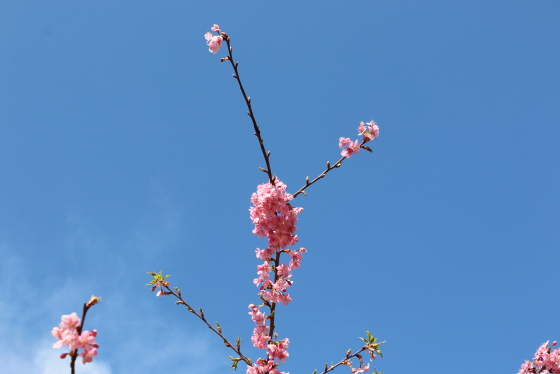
(125,148)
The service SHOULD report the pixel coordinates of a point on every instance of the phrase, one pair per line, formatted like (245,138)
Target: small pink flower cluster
(546,361)
(264,367)
(67,334)
(214,41)
(276,292)
(369,132)
(361,369)
(276,350)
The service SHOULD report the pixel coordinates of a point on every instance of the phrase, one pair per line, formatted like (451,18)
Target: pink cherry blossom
(265,254)
(273,216)
(369,132)
(69,322)
(352,148)
(67,335)
(215,28)
(214,42)
(344,142)
(361,128)
(546,360)
(257,316)
(87,356)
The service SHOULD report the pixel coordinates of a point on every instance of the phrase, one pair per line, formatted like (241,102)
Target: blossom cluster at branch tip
(368,131)
(546,361)
(214,42)
(68,335)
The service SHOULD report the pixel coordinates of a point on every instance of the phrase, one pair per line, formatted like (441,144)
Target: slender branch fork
(235,65)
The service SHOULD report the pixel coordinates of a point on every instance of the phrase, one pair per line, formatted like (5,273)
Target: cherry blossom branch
(344,361)
(371,346)
(74,354)
(322,175)
(235,65)
(159,281)
(273,306)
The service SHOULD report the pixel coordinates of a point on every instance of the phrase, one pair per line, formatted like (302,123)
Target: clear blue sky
(125,148)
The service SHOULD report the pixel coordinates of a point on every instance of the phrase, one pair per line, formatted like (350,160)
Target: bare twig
(322,175)
(235,65)
(200,314)
(344,361)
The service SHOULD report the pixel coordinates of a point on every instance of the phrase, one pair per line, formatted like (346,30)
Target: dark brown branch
(344,361)
(235,65)
(201,316)
(273,306)
(322,175)
(74,354)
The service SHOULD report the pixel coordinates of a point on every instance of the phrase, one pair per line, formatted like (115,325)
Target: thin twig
(201,316)
(343,361)
(234,65)
(322,175)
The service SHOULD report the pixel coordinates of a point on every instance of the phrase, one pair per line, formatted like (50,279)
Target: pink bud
(252,306)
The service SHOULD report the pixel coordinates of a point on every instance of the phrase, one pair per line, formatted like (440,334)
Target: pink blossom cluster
(361,369)
(348,147)
(368,131)
(68,335)
(273,216)
(277,351)
(276,291)
(546,361)
(214,41)
(263,367)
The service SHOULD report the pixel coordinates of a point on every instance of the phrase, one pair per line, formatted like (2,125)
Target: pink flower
(215,28)
(284,271)
(67,335)
(344,142)
(370,132)
(352,148)
(87,356)
(257,317)
(70,322)
(546,360)
(361,369)
(361,128)
(265,254)
(214,42)
(274,217)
